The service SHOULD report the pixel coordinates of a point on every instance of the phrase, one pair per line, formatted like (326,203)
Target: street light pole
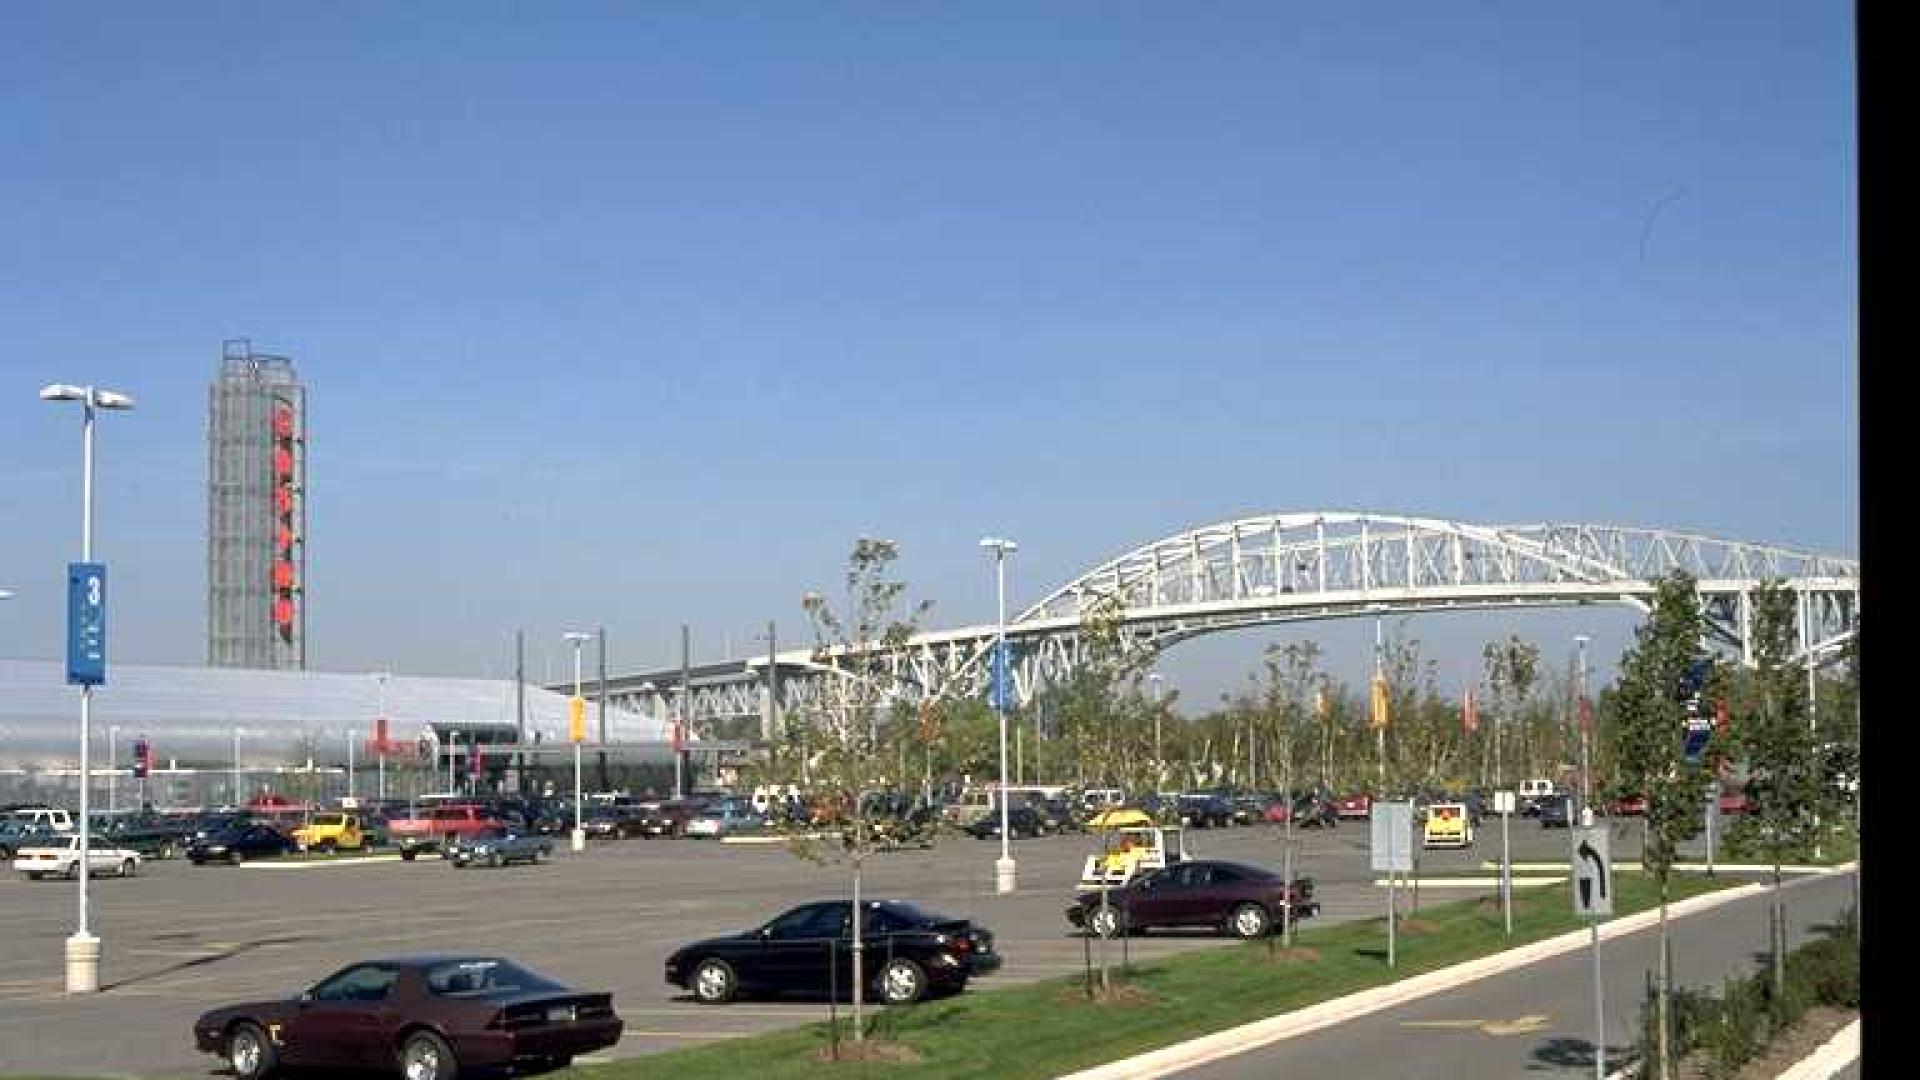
(380,725)
(579,839)
(113,770)
(236,768)
(351,734)
(1004,871)
(1586,734)
(1159,756)
(82,948)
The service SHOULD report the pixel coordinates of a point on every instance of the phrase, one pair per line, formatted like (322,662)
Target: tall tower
(256,512)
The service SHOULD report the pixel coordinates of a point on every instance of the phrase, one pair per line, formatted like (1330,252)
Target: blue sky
(637,315)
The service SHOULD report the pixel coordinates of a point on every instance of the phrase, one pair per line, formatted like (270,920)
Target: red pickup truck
(432,828)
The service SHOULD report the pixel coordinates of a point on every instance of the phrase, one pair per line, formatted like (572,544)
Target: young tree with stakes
(1650,716)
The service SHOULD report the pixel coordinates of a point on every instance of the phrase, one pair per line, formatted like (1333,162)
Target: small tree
(1650,745)
(1783,763)
(840,763)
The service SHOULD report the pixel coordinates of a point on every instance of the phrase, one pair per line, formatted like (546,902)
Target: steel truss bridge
(1285,568)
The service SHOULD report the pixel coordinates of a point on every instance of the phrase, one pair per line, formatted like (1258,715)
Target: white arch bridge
(1282,568)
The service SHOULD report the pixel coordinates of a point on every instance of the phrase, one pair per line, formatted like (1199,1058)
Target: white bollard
(83,964)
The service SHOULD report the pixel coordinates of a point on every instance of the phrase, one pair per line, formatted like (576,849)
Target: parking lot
(179,938)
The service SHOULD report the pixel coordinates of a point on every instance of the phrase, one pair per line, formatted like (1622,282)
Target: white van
(1536,789)
(43,816)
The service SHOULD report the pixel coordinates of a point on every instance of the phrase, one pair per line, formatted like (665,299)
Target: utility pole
(520,696)
(682,722)
(601,648)
(773,687)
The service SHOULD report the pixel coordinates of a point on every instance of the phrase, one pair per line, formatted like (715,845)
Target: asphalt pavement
(180,939)
(1539,1020)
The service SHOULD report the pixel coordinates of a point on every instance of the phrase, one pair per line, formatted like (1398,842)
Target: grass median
(1047,1028)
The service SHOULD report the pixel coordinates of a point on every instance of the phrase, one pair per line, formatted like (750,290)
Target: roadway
(180,939)
(1538,1020)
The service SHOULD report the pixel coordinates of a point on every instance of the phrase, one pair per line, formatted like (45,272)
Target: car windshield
(485,978)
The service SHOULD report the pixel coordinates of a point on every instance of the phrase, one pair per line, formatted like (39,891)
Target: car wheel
(426,1056)
(1105,922)
(714,982)
(459,864)
(902,982)
(73,870)
(34,875)
(250,1054)
(493,859)
(1249,921)
(328,847)
(166,851)
(408,854)
(128,868)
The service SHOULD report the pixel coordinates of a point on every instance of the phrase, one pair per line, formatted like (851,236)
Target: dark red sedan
(1245,901)
(427,1017)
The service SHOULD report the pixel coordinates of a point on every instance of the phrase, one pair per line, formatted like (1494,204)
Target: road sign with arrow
(1592,873)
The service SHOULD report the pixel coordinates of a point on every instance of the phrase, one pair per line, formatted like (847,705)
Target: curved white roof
(190,713)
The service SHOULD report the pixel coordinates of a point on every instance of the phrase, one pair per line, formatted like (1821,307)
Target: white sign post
(1392,852)
(1503,805)
(1592,879)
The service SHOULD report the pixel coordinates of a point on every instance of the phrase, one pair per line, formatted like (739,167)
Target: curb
(1469,882)
(1252,1036)
(1701,868)
(318,863)
(1833,1055)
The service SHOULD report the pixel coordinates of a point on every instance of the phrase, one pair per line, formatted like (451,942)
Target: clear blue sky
(638,314)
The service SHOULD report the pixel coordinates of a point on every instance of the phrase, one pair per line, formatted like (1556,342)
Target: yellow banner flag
(577,719)
(1379,701)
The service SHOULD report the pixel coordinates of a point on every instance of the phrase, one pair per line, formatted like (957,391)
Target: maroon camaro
(427,1017)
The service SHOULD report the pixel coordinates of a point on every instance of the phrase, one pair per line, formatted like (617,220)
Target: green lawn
(1048,1028)
(1045,1029)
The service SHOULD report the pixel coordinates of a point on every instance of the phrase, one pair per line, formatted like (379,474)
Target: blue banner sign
(1002,693)
(87,623)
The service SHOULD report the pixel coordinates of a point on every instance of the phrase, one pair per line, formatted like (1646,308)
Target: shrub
(1737,1030)
(1827,972)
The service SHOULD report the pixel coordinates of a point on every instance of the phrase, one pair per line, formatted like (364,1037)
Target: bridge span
(1300,567)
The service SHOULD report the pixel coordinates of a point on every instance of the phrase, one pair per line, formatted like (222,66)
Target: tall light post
(351,735)
(1159,755)
(236,768)
(83,949)
(113,770)
(1004,870)
(380,728)
(576,723)
(1584,717)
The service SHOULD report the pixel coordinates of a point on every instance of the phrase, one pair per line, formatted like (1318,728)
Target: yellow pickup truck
(331,832)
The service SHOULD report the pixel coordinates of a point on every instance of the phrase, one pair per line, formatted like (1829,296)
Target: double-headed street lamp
(576,724)
(1003,870)
(83,949)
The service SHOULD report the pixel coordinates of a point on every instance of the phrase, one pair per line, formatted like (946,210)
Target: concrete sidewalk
(1251,1036)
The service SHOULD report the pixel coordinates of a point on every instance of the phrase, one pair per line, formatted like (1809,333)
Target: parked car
(1634,805)
(59,856)
(1447,825)
(1057,816)
(1238,898)
(1359,805)
(907,953)
(1022,820)
(18,833)
(432,828)
(500,847)
(1734,802)
(239,843)
(1558,811)
(1314,812)
(330,832)
(726,818)
(429,1017)
(1205,811)
(1534,794)
(154,836)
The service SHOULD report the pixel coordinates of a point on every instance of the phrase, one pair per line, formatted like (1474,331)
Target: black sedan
(1022,820)
(906,953)
(427,1017)
(241,842)
(1245,901)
